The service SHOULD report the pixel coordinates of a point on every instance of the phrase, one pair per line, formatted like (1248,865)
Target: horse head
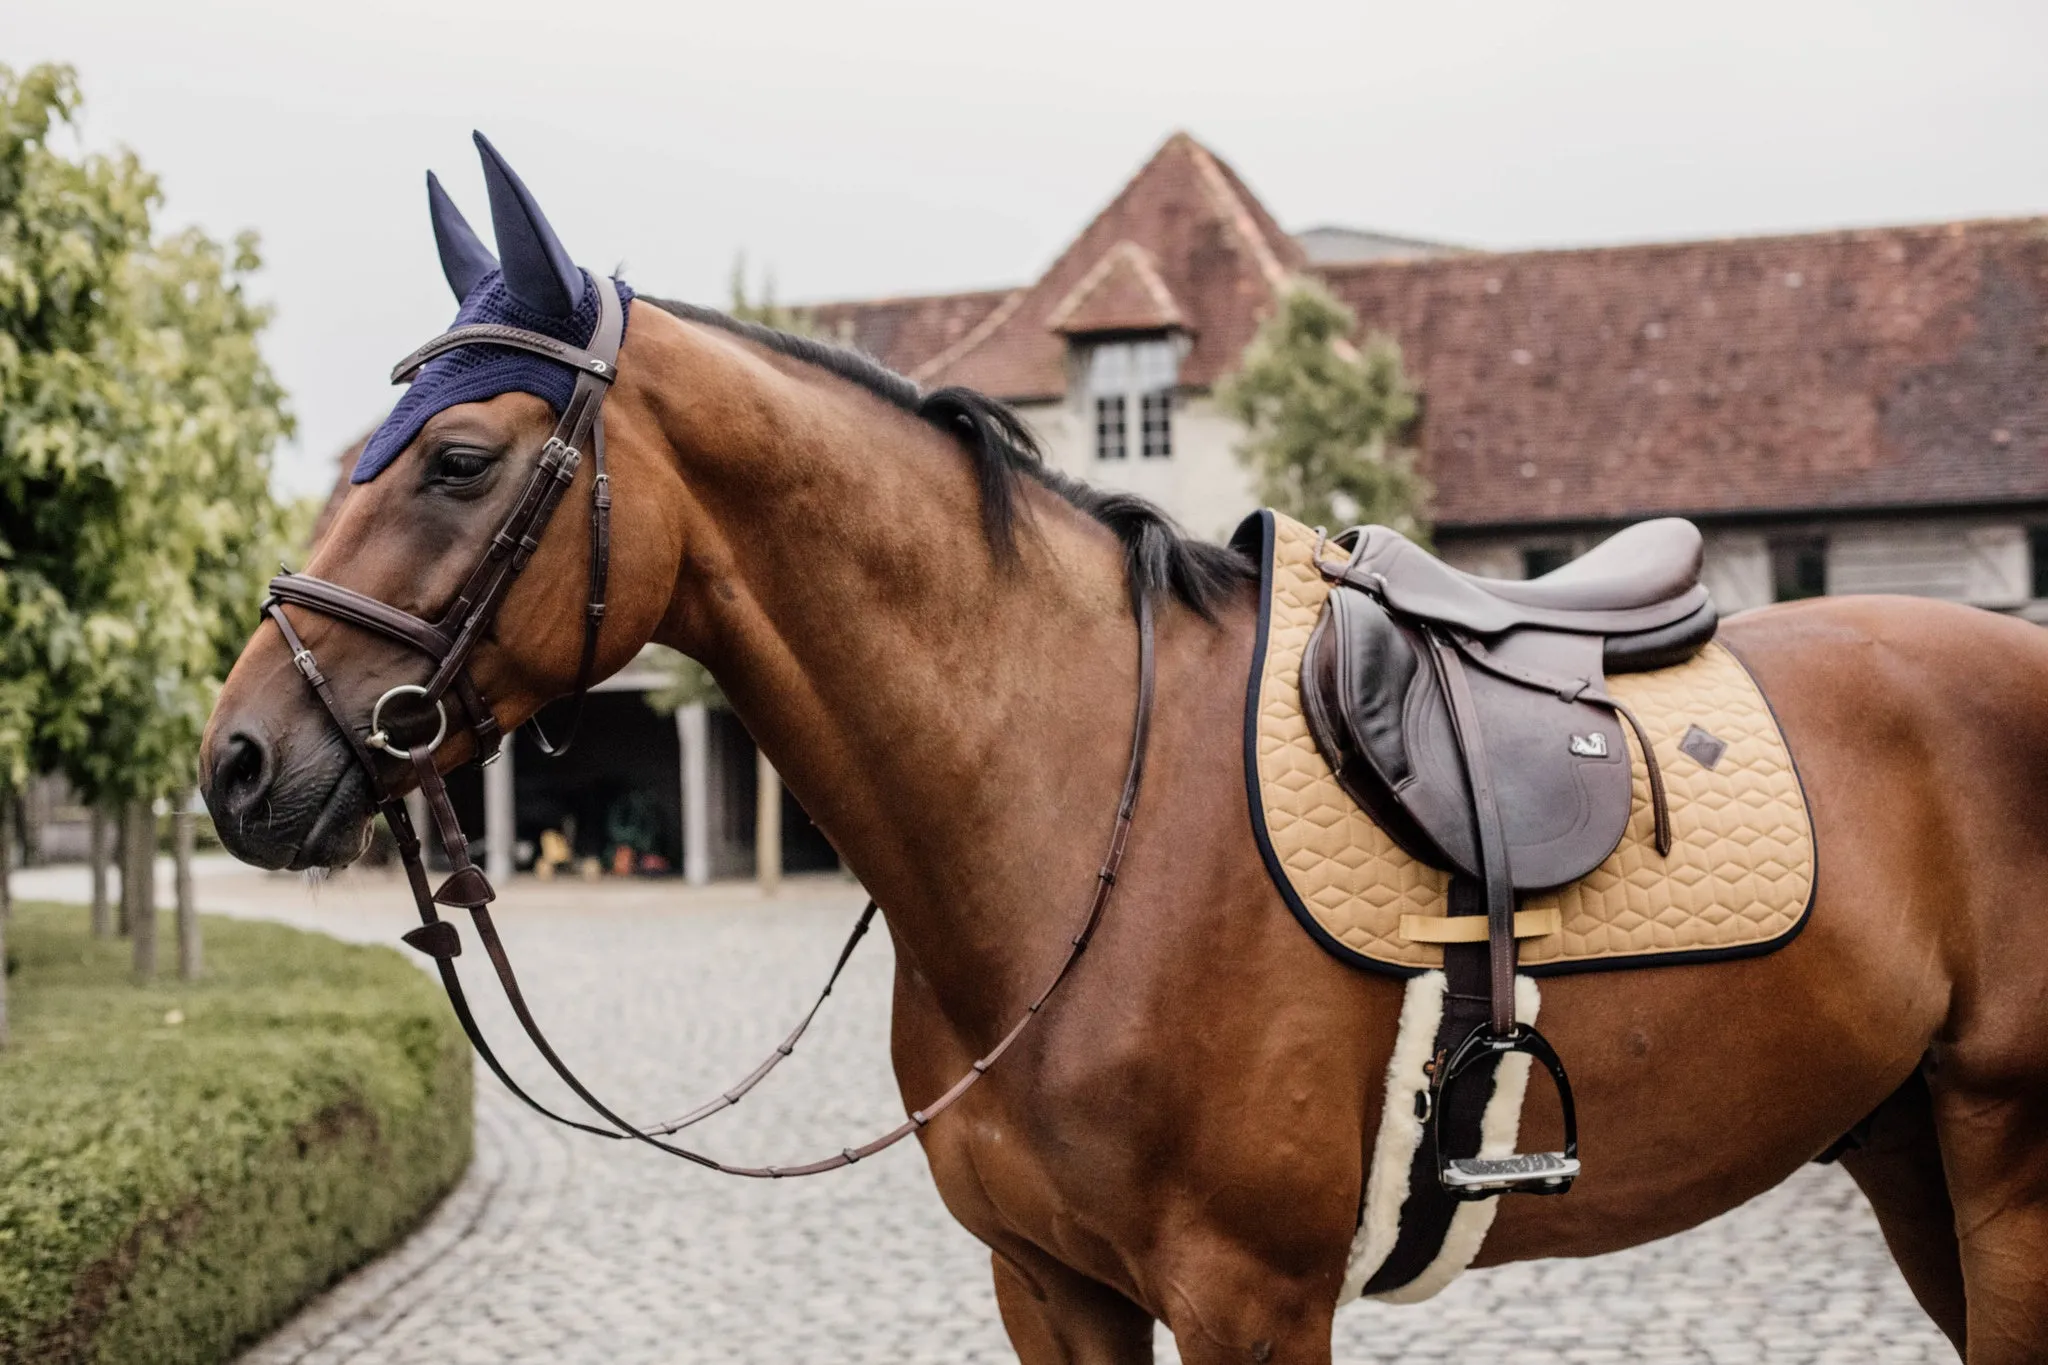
(435,483)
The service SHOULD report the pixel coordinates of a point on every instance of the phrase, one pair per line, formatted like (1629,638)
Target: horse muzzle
(278,802)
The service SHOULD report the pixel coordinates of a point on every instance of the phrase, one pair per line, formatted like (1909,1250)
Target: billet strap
(1494,874)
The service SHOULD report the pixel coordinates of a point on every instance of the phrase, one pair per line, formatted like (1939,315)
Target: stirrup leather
(1480,1177)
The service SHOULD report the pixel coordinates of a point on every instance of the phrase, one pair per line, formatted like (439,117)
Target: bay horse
(928,631)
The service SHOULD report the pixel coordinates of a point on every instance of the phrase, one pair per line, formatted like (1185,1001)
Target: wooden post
(9,809)
(767,825)
(6,902)
(122,904)
(693,736)
(97,855)
(182,821)
(6,899)
(501,827)
(138,885)
(31,814)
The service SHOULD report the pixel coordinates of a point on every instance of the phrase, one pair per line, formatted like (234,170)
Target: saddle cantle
(1377,690)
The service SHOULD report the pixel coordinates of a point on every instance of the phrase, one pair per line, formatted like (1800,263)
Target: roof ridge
(978,333)
(1003,311)
(1476,255)
(881,300)
(1235,212)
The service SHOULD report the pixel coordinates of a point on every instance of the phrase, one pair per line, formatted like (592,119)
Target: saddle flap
(1378,712)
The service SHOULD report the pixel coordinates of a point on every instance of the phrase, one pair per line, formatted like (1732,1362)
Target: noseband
(448,644)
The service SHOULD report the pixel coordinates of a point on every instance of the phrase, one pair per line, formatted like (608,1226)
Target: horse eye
(460,466)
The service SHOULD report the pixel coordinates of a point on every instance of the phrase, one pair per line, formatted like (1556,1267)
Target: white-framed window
(1130,385)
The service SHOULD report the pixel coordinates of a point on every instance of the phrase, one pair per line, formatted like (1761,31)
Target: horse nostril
(243,774)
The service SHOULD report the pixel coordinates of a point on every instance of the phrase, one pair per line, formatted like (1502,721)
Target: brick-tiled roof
(903,333)
(1884,367)
(1889,367)
(1123,293)
(1216,251)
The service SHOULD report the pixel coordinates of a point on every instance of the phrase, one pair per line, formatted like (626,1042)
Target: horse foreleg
(1057,1317)
(1898,1167)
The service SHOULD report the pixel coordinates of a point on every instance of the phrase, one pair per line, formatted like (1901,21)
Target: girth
(448,644)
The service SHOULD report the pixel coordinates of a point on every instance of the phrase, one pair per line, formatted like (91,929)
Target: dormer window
(1130,392)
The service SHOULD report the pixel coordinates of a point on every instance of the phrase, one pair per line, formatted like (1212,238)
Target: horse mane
(1160,558)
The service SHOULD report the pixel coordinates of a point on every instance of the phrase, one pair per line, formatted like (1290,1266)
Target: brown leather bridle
(450,642)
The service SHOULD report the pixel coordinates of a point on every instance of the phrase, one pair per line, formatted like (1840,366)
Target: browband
(518,339)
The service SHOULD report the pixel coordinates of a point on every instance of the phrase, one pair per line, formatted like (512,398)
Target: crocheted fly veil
(537,288)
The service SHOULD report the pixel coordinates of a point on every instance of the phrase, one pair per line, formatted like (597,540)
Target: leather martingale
(1738,880)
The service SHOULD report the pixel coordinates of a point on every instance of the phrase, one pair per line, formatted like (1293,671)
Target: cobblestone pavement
(561,1248)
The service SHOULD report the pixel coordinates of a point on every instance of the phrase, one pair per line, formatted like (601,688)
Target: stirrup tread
(1521,1173)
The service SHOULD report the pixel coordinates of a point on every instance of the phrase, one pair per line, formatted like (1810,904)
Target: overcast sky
(862,149)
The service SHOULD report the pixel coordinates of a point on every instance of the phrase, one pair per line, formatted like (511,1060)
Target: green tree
(136,422)
(1327,419)
(765,310)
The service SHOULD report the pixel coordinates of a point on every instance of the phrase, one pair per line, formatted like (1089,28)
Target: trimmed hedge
(182,1166)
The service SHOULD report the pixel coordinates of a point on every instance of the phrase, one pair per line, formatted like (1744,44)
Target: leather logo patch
(1702,747)
(1590,746)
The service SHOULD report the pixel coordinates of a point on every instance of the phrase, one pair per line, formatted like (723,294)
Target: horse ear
(464,259)
(538,270)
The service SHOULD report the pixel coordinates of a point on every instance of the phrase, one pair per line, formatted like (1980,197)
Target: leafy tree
(136,421)
(765,310)
(1327,419)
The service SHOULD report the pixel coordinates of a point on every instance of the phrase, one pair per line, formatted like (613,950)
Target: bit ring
(379,739)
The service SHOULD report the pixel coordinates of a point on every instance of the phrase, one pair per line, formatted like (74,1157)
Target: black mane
(1159,557)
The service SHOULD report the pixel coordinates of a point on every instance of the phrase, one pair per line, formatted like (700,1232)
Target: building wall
(1982,560)
(1203,486)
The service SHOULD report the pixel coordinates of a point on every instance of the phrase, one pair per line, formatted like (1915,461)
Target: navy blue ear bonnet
(538,288)
(471,374)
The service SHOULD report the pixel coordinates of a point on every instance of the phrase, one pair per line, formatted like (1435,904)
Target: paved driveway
(559,1248)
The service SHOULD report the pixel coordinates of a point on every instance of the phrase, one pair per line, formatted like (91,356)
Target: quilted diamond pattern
(1741,865)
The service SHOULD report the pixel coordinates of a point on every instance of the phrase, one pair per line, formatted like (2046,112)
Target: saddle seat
(1404,638)
(1639,590)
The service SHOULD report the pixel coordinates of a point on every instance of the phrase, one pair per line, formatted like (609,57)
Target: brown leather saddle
(1470,718)
(1404,632)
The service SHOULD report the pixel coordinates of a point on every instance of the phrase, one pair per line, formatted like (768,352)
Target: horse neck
(957,726)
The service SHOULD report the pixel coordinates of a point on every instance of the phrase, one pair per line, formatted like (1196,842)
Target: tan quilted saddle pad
(1739,879)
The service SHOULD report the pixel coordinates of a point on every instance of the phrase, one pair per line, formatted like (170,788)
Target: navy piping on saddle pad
(1255,535)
